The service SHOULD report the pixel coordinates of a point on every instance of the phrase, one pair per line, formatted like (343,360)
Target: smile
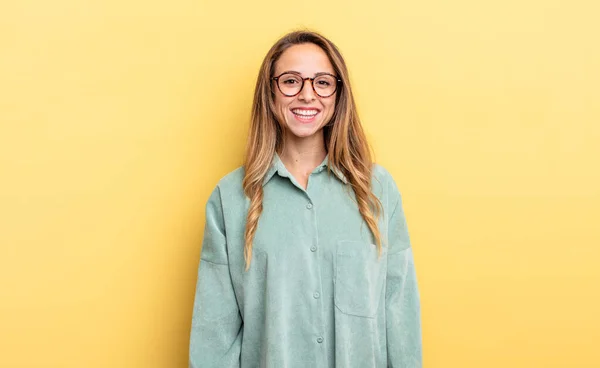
(303,112)
(305,115)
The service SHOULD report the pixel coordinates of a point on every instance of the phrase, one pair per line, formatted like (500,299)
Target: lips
(304,112)
(305,115)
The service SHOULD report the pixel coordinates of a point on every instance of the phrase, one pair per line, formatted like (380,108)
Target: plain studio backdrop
(117,119)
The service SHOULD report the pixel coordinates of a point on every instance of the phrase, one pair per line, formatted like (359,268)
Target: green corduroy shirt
(317,295)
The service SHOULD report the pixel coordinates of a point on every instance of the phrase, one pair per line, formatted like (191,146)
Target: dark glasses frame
(312,80)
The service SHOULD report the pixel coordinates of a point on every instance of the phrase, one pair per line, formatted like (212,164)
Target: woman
(306,260)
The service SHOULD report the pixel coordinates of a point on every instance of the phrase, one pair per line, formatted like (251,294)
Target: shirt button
(316,295)
(313,249)
(319,340)
(309,206)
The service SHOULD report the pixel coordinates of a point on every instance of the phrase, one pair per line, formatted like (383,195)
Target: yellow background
(117,118)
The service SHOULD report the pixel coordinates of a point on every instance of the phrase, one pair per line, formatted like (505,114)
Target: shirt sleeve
(215,338)
(403,315)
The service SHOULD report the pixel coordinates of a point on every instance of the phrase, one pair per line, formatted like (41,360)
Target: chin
(302,134)
(304,131)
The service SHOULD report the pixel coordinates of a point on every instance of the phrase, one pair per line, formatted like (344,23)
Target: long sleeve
(215,339)
(403,315)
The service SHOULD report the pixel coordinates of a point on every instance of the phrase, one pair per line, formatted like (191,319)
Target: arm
(403,315)
(215,339)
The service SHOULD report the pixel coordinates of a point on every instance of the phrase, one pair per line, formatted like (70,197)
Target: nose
(307,94)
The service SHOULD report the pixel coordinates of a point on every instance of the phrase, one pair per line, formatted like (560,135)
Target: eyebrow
(300,74)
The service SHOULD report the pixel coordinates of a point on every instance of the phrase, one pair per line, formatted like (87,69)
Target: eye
(289,81)
(324,83)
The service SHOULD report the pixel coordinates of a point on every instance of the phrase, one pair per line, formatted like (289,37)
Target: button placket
(315,261)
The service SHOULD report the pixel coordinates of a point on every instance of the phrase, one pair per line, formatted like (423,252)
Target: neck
(303,154)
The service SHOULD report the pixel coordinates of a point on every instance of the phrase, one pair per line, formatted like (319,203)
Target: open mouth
(305,115)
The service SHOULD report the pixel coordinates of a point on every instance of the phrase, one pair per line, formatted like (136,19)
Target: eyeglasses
(291,84)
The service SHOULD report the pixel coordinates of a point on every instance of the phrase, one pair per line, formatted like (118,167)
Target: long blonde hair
(345,140)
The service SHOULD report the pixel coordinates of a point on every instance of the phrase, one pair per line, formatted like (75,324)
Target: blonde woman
(306,260)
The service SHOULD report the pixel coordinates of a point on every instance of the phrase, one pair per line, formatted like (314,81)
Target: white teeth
(305,112)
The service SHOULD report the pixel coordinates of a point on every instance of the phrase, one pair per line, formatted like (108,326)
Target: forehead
(306,58)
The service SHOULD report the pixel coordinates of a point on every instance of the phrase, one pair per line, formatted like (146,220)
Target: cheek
(330,107)
(278,101)
(281,102)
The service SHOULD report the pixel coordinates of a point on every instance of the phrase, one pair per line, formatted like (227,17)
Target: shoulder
(228,192)
(232,180)
(381,173)
(382,178)
(385,188)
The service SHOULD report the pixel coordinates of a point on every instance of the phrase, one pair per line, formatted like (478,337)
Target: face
(306,113)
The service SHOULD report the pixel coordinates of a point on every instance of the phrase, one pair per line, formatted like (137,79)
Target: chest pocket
(359,278)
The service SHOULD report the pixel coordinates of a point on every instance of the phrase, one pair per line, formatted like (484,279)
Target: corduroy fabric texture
(316,295)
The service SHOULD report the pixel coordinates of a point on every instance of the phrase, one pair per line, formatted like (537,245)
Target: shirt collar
(278,167)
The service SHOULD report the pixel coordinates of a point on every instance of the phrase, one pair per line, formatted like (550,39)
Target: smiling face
(306,113)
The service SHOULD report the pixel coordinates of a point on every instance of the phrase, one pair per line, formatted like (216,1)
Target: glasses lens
(290,84)
(325,85)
